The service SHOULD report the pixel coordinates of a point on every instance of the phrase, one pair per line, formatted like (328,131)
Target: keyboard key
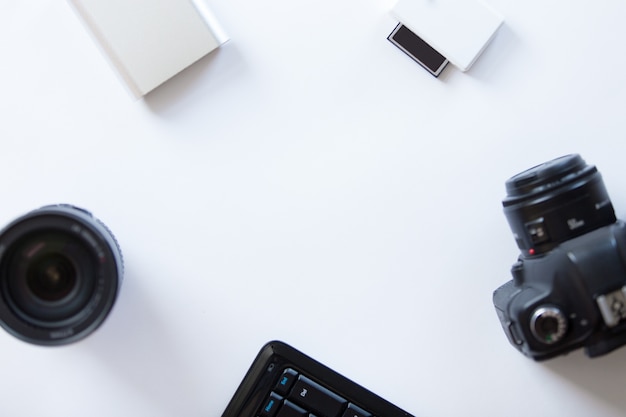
(271,405)
(289,409)
(285,382)
(354,411)
(313,396)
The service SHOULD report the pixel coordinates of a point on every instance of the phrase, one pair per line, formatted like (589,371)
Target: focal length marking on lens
(61,334)
(89,238)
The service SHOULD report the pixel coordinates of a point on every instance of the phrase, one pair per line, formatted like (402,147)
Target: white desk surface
(310,183)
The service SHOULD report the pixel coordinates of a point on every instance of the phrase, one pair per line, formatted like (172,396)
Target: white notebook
(150,41)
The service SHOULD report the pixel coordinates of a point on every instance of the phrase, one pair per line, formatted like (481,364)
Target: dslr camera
(569,283)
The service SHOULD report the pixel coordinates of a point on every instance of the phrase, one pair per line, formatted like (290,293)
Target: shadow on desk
(201,79)
(603,377)
(141,353)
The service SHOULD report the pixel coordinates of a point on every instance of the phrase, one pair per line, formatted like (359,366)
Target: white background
(307,182)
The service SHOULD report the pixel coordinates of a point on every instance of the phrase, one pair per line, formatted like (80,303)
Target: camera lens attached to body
(554,202)
(568,287)
(60,273)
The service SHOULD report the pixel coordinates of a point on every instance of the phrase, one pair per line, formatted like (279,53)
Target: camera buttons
(613,306)
(511,332)
(537,231)
(548,325)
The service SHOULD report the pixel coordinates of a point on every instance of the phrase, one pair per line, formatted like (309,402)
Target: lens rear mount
(60,273)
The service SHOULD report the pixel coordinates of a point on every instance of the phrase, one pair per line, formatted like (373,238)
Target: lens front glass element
(52,277)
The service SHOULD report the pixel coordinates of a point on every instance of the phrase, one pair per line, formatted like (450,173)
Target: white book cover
(150,41)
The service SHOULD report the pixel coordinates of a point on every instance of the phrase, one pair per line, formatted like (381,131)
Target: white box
(457,29)
(150,41)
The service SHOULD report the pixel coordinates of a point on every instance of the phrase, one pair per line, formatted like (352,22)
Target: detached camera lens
(60,272)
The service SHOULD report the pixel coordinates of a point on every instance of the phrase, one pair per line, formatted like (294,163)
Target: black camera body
(569,283)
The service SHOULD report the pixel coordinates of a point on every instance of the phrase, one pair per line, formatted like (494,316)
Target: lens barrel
(60,273)
(554,202)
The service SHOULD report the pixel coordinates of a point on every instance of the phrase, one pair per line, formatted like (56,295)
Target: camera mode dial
(548,324)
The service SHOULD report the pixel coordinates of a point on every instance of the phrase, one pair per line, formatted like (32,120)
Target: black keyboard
(283,382)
